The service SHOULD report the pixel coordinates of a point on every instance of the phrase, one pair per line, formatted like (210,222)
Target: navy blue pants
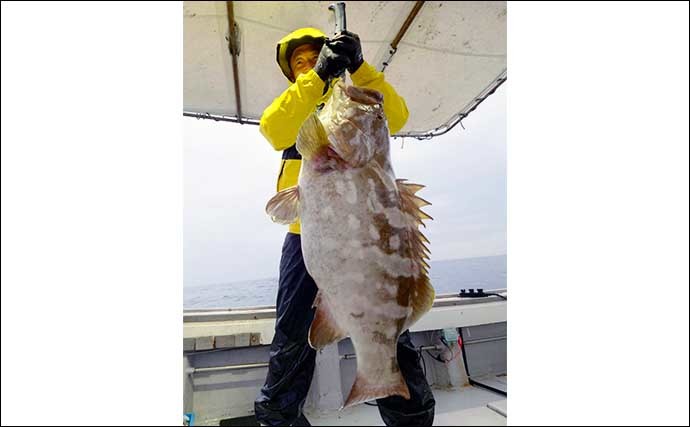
(292,360)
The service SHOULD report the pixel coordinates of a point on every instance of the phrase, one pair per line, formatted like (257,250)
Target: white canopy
(452,55)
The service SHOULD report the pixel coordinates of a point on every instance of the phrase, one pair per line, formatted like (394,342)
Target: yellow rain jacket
(281,120)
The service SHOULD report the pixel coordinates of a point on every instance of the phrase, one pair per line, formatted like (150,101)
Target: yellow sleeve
(393,104)
(281,120)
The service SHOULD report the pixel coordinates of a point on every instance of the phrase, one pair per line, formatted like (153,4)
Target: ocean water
(446,276)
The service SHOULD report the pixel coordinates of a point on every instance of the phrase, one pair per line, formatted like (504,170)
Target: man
(309,60)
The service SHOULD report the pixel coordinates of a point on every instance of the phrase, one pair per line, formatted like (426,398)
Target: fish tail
(363,390)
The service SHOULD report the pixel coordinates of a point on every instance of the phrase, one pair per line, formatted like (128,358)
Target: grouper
(361,239)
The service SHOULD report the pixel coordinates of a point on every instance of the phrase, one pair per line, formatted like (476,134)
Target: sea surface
(446,276)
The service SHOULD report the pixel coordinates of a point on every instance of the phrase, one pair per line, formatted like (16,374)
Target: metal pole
(340,19)
(482,340)
(233,47)
(394,44)
(228,368)
(338,10)
(424,347)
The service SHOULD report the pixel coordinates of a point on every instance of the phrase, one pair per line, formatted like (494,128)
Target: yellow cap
(292,41)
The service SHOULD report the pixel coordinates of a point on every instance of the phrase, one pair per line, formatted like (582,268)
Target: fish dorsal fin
(312,137)
(324,330)
(422,296)
(283,208)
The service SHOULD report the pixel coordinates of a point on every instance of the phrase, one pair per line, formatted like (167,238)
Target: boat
(445,58)
(461,341)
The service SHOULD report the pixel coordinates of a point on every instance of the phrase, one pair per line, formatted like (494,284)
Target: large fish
(360,237)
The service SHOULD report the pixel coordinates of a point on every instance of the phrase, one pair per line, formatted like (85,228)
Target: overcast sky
(230,172)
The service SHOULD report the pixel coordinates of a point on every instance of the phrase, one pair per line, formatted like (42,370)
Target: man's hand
(347,43)
(332,62)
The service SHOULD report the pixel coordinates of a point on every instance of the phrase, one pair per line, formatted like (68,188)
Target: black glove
(330,63)
(347,43)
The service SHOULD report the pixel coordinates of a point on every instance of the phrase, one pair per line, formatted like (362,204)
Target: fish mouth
(363,95)
(349,144)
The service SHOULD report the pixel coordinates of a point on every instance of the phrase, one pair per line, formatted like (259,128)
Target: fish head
(356,124)
(349,131)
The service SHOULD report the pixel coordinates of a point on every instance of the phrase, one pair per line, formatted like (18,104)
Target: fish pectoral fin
(283,208)
(311,137)
(363,390)
(324,330)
